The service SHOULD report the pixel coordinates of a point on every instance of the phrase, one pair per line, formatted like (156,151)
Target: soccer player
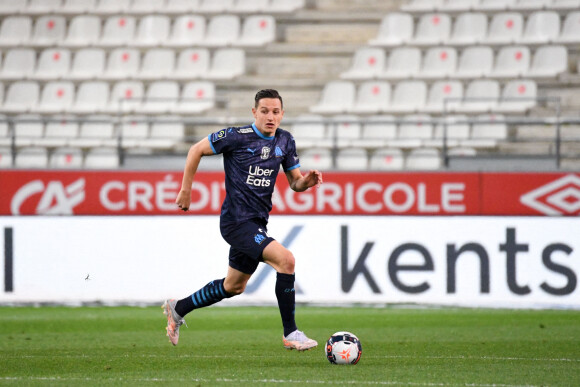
(252,157)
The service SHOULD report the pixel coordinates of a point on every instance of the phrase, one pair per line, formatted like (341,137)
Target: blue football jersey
(251,163)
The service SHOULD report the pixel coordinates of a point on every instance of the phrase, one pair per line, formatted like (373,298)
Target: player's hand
(183,200)
(313,178)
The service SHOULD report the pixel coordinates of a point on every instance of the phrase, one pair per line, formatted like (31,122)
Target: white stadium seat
(102,158)
(122,63)
(84,30)
(192,63)
(215,6)
(396,28)
(5,157)
(134,129)
(444,96)
(49,31)
(367,63)
(376,132)
(530,5)
(158,63)
(518,96)
(31,157)
(147,6)
(372,97)
(181,6)
(187,31)
(97,130)
(337,97)
(486,133)
(227,63)
(571,29)
(257,30)
(11,7)
(408,96)
(53,63)
(403,62)
(196,97)
(118,31)
(112,6)
(566,5)
(22,96)
(352,159)
(126,96)
(152,30)
(344,129)
(58,131)
(494,5)
(74,7)
(250,6)
(459,5)
(548,62)
(65,158)
(41,7)
(285,6)
(423,5)
(449,132)
(15,30)
(439,62)
(91,97)
(541,27)
(88,63)
(480,96)
(56,97)
(469,28)
(222,30)
(505,28)
(166,132)
(423,159)
(387,159)
(160,97)
(315,158)
(28,129)
(475,62)
(432,28)
(413,130)
(511,61)
(19,63)
(309,130)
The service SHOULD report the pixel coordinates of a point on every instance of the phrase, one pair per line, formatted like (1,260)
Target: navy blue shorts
(247,241)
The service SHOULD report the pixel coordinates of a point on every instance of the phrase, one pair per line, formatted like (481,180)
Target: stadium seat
(494,5)
(396,29)
(571,29)
(74,7)
(518,96)
(53,63)
(88,63)
(316,158)
(22,96)
(122,63)
(480,96)
(344,129)
(432,28)
(58,131)
(84,30)
(403,62)
(337,97)
(91,97)
(11,7)
(19,63)
(191,64)
(423,159)
(565,5)
(376,132)
(15,31)
(49,31)
(505,28)
(439,62)
(458,5)
(181,6)
(41,7)
(462,151)
(31,158)
(196,97)
(541,27)
(134,129)
(147,6)
(408,96)
(511,62)
(250,6)
(166,132)
(475,62)
(387,159)
(5,157)
(160,97)
(548,62)
(285,6)
(152,30)
(367,63)
(158,63)
(126,96)
(309,130)
(372,97)
(422,5)
(215,6)
(28,128)
(257,30)
(530,5)
(444,96)
(187,31)
(118,31)
(413,130)
(5,133)
(352,159)
(222,30)
(450,132)
(487,131)
(65,158)
(469,28)
(227,63)
(111,7)
(56,97)
(97,130)
(102,158)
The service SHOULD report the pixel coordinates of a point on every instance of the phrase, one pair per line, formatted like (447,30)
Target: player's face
(268,115)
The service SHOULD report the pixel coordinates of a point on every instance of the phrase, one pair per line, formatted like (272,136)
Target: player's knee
(235,289)
(287,263)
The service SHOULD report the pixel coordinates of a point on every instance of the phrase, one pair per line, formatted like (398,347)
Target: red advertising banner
(365,193)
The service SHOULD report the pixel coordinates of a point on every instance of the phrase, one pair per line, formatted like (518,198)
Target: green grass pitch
(235,346)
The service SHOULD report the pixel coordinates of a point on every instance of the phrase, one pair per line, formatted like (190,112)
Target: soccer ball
(343,348)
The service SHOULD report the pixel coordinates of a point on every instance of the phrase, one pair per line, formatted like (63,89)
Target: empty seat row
(410,131)
(384,159)
(97,96)
(474,28)
(92,131)
(488,5)
(122,63)
(516,96)
(61,158)
(445,62)
(39,7)
(147,31)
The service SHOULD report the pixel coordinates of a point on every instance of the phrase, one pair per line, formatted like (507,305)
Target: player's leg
(282,260)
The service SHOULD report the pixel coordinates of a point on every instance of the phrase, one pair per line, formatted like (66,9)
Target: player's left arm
(299,182)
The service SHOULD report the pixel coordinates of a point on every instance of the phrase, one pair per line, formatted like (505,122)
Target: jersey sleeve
(222,140)
(291,161)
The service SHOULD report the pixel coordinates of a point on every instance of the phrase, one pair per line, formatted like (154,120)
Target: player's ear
(254,112)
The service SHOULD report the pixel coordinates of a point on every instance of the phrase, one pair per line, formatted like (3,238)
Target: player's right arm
(196,152)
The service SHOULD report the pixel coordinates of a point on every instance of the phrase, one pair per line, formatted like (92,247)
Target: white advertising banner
(515,262)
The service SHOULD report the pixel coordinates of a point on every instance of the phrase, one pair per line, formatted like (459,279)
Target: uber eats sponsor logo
(259,177)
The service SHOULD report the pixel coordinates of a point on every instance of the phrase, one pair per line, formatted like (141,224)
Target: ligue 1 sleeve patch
(219,135)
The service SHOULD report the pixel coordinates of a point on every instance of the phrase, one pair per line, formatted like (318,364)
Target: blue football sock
(286,301)
(208,295)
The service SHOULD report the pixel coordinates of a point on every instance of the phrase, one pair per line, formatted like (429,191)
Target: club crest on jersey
(219,135)
(265,153)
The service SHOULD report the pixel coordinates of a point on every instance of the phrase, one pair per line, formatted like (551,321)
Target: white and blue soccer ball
(343,348)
